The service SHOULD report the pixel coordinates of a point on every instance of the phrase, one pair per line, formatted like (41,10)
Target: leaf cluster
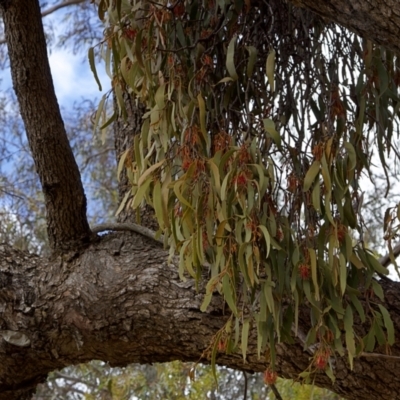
(259,125)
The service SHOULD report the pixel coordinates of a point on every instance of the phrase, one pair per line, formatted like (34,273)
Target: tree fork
(59,175)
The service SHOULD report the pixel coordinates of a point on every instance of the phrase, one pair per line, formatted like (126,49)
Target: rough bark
(120,301)
(65,200)
(377,20)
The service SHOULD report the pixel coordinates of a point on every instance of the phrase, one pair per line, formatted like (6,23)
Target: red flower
(270,377)
(304,271)
(321,359)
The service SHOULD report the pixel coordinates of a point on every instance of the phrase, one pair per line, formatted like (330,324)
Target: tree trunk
(67,226)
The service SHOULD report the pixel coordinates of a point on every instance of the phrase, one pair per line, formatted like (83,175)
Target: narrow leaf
(311,175)
(93,66)
(388,324)
(270,69)
(245,337)
(230,62)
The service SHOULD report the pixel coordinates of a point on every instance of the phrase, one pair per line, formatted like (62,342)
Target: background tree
(71,307)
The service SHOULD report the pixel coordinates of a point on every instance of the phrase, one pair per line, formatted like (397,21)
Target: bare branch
(385,260)
(61,5)
(127,227)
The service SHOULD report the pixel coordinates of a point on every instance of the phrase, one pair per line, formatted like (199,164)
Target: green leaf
(121,163)
(352,155)
(311,175)
(229,291)
(159,97)
(342,273)
(93,66)
(179,195)
(157,204)
(270,70)
(357,305)
(356,261)
(217,178)
(105,125)
(202,109)
(348,326)
(380,336)
(326,175)
(138,49)
(224,192)
(383,77)
(141,192)
(99,112)
(269,127)
(214,356)
(208,295)
(245,337)
(230,62)
(314,277)
(148,171)
(252,60)
(330,374)
(376,265)
(182,253)
(267,238)
(388,324)
(120,100)
(316,197)
(269,297)
(225,80)
(128,194)
(369,340)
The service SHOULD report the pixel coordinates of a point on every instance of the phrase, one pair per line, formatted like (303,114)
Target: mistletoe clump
(258,124)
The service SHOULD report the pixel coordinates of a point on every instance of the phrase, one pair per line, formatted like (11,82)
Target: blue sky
(73,79)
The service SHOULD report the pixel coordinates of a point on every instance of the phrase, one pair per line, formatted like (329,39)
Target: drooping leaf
(93,66)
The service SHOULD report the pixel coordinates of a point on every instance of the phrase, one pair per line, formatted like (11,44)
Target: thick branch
(119,301)
(54,161)
(377,20)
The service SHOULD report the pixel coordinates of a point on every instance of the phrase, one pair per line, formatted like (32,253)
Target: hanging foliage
(259,123)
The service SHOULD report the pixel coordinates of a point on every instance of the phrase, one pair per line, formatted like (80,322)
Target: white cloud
(73,79)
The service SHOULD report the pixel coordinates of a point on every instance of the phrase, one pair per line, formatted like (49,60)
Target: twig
(63,4)
(245,385)
(50,10)
(276,393)
(109,226)
(385,260)
(383,356)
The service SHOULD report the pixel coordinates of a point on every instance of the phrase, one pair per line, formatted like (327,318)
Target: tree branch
(378,21)
(385,260)
(119,226)
(52,9)
(58,6)
(121,302)
(65,200)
